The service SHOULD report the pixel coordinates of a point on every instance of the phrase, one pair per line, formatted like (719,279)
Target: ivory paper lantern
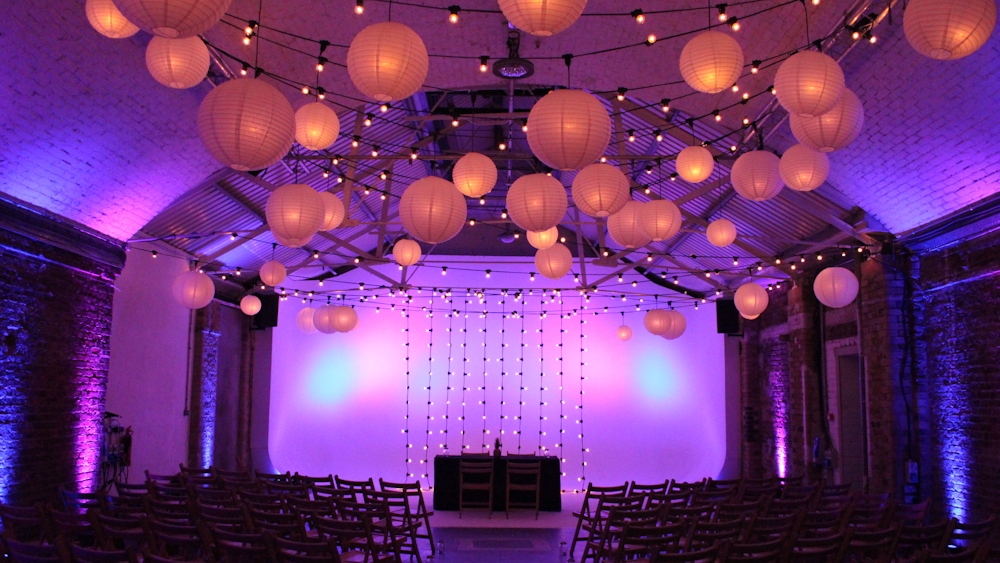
(475,175)
(949,29)
(387,61)
(711,62)
(536,202)
(108,20)
(751,300)
(323,319)
(657,321)
(250,305)
(834,129)
(543,239)
(695,164)
(678,324)
(173,18)
(836,287)
(568,129)
(721,232)
(660,219)
(316,126)
(406,252)
(432,210)
(756,175)
(333,211)
(178,63)
(625,227)
(542,17)
(554,262)
(305,320)
(600,190)
(624,333)
(294,213)
(246,124)
(272,273)
(809,83)
(804,169)
(344,318)
(193,289)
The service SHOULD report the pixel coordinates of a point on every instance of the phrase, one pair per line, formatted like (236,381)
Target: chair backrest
(832,490)
(214,497)
(237,546)
(164,479)
(830,548)
(730,510)
(166,491)
(346,534)
(259,501)
(165,537)
(324,481)
(769,527)
(285,524)
(201,481)
(298,489)
(971,534)
(772,551)
(706,532)
(234,475)
(524,468)
(177,511)
(594,493)
(231,516)
(645,541)
(913,514)
(657,488)
(331,494)
(196,471)
(285,477)
(284,550)
(88,555)
(130,490)
(718,496)
(677,486)
(25,523)
(877,546)
(77,501)
(71,525)
(477,468)
(924,537)
(30,552)
(669,500)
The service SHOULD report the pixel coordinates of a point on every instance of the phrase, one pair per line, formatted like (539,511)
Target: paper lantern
(323,319)
(193,289)
(836,287)
(657,321)
(721,232)
(387,61)
(272,273)
(756,175)
(678,324)
(246,124)
(178,63)
(305,320)
(406,252)
(250,305)
(834,129)
(333,211)
(554,262)
(804,169)
(624,333)
(568,129)
(542,17)
(625,227)
(432,210)
(751,300)
(949,29)
(475,175)
(711,62)
(173,18)
(294,213)
(108,20)
(543,239)
(600,190)
(660,219)
(536,202)
(316,126)
(809,83)
(344,319)
(695,164)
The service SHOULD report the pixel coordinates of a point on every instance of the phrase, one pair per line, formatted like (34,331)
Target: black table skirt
(446,470)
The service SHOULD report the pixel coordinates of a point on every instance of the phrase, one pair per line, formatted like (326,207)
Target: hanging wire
(406,430)
(430,379)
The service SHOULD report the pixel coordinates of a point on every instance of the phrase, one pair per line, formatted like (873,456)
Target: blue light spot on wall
(657,376)
(331,379)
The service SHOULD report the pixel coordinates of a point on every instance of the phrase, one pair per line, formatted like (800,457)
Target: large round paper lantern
(756,175)
(305,320)
(406,252)
(721,232)
(949,29)
(387,61)
(432,210)
(344,318)
(554,262)
(193,289)
(536,202)
(272,273)
(542,17)
(568,129)
(660,219)
(475,175)
(173,18)
(543,239)
(625,227)
(711,62)
(600,190)
(834,129)
(333,211)
(316,126)
(323,319)
(836,287)
(108,20)
(809,83)
(657,321)
(678,324)
(178,63)
(751,300)
(294,213)
(624,333)
(250,305)
(695,164)
(246,124)
(804,169)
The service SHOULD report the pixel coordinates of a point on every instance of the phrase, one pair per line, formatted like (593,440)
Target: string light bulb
(453,16)
(735,24)
(359,7)
(384,108)
(375,150)
(482,63)
(665,105)
(368,119)
(639,16)
(755,67)
(320,64)
(650,39)
(621,94)
(631,136)
(722,12)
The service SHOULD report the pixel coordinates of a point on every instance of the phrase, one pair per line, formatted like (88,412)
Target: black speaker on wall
(727,318)
(268,315)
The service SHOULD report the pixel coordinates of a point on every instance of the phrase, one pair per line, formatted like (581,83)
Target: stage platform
(518,518)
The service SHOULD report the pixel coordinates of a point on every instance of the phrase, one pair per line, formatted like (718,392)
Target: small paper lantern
(568,129)
(660,219)
(173,18)
(536,202)
(432,210)
(333,211)
(756,175)
(949,29)
(305,320)
(193,289)
(657,321)
(625,227)
(316,126)
(246,124)
(178,63)
(294,213)
(809,83)
(836,287)
(475,175)
(108,20)
(711,62)
(344,318)
(272,273)
(695,164)
(804,169)
(543,239)
(721,232)
(834,129)
(406,252)
(323,319)
(751,300)
(250,305)
(542,18)
(554,262)
(624,333)
(387,61)
(678,324)
(600,190)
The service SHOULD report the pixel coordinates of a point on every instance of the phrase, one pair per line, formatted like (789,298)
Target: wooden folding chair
(591,498)
(475,476)
(415,493)
(524,479)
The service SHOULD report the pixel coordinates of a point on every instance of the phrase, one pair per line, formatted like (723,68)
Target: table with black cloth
(446,481)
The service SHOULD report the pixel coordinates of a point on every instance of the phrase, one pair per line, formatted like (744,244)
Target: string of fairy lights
(452,313)
(406,417)
(541,373)
(583,448)
(430,379)
(520,373)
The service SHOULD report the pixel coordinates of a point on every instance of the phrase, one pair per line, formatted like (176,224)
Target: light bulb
(359,7)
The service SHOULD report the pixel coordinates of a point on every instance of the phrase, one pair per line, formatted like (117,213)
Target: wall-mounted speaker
(268,315)
(727,318)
